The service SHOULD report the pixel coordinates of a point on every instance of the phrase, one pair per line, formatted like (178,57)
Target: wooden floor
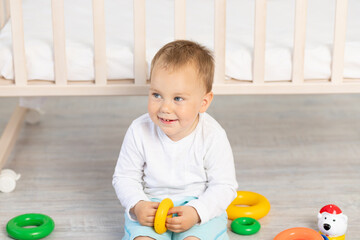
(301,152)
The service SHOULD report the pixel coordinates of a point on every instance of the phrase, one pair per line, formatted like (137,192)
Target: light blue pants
(215,229)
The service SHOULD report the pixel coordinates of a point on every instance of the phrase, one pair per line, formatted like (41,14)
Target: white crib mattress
(159,23)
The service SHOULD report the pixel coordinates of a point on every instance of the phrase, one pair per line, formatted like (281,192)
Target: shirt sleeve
(221,179)
(128,175)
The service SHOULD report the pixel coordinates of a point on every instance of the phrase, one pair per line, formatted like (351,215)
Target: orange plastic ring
(299,233)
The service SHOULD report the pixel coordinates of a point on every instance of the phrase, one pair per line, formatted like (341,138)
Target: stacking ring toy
(16,227)
(324,237)
(299,233)
(245,226)
(161,215)
(258,206)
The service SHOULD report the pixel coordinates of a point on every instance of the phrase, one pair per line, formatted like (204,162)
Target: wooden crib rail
(259,42)
(139,85)
(299,41)
(58,21)
(99,42)
(339,41)
(18,42)
(4,12)
(180,19)
(219,41)
(140,66)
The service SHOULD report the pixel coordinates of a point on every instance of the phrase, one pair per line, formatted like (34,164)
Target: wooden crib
(101,85)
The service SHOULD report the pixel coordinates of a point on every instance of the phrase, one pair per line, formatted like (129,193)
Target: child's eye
(156,95)
(178,99)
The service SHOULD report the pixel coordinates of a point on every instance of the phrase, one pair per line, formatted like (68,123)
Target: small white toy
(332,222)
(34,106)
(8,180)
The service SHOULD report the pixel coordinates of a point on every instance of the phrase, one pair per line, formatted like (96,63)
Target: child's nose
(166,107)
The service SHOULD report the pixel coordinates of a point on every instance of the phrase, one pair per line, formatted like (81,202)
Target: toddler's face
(175,100)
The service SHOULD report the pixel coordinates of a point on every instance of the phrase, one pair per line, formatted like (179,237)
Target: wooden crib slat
(58,22)
(18,42)
(299,41)
(99,42)
(220,40)
(7,9)
(339,41)
(140,67)
(180,19)
(259,42)
(2,14)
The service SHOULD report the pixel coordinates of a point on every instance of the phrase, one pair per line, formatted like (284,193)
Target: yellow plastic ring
(258,206)
(162,214)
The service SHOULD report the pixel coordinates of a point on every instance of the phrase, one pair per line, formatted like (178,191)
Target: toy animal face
(332,225)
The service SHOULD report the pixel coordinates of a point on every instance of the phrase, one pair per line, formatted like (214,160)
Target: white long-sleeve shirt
(201,165)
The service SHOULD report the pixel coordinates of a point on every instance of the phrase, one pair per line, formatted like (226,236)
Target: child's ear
(207,98)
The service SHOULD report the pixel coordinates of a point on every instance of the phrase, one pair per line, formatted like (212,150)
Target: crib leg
(10,133)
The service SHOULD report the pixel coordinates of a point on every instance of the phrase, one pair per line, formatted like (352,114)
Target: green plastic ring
(16,227)
(245,226)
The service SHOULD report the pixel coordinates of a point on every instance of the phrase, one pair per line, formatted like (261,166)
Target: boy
(178,151)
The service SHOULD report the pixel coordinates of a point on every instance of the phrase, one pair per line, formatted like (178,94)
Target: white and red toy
(332,222)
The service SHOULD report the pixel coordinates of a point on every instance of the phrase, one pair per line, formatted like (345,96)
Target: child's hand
(187,217)
(145,212)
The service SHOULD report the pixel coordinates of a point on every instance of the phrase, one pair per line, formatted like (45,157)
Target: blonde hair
(180,53)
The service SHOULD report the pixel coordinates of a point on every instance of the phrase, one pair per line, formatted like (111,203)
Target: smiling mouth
(167,121)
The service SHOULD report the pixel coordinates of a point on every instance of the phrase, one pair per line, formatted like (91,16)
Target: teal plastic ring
(245,226)
(17,226)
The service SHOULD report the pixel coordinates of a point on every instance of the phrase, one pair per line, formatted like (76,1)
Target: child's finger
(154,204)
(150,221)
(146,221)
(173,227)
(148,224)
(174,210)
(173,220)
(152,212)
